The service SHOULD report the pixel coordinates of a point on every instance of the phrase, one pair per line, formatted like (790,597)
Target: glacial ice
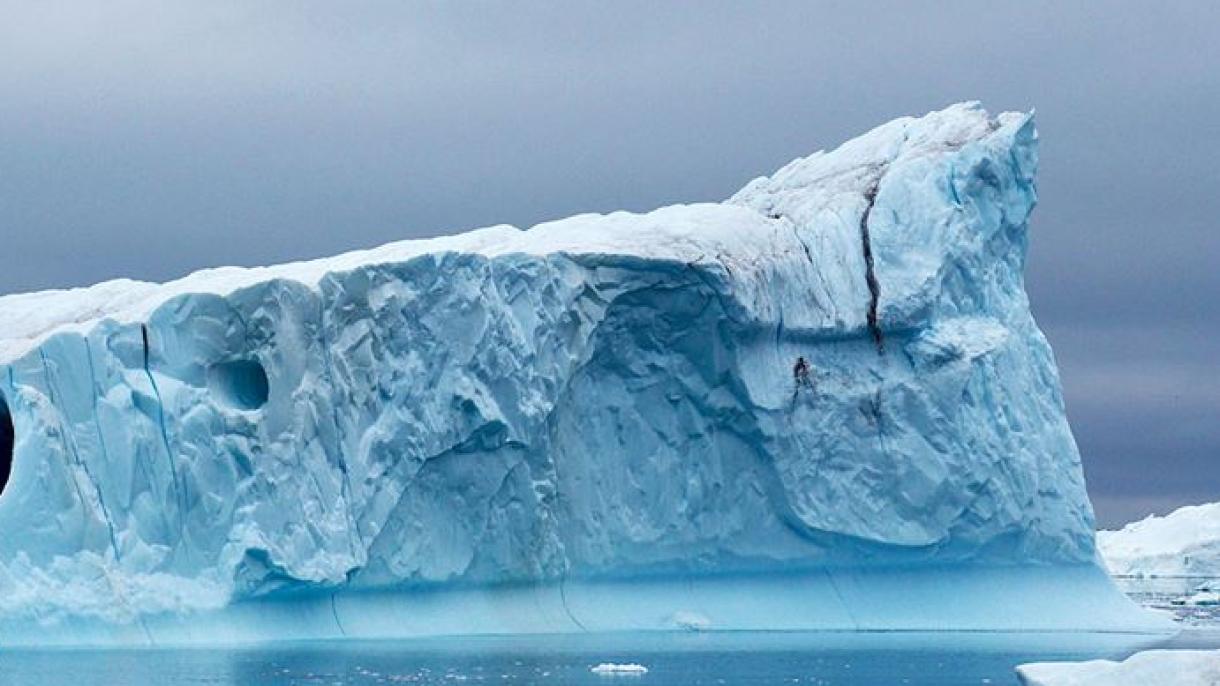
(589,425)
(1184,543)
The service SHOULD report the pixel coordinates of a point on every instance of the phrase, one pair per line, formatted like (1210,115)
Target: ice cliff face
(597,398)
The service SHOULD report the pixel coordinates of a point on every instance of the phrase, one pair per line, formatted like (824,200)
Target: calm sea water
(712,659)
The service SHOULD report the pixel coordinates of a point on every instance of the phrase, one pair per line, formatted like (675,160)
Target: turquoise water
(713,659)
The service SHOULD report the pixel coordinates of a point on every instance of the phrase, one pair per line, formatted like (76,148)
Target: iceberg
(820,404)
(1184,543)
(1159,667)
(1171,563)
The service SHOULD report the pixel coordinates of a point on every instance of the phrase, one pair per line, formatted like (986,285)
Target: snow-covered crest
(809,189)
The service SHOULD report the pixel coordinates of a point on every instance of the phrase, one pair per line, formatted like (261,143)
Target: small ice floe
(616,669)
(1204,597)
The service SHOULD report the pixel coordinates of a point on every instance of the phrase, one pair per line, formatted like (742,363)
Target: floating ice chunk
(613,668)
(1202,598)
(1149,668)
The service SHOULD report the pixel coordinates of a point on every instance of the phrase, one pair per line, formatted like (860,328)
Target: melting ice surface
(590,425)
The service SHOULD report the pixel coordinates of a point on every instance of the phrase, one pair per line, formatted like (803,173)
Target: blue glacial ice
(592,424)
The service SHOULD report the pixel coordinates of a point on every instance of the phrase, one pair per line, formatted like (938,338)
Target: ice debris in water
(611,668)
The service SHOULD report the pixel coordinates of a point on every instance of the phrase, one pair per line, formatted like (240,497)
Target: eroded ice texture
(597,399)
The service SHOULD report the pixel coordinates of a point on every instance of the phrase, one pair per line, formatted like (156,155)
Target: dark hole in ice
(7,436)
(241,383)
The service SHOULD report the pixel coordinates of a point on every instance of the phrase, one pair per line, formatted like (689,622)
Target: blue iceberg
(821,404)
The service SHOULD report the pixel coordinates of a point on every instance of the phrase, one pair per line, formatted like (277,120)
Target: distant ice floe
(612,668)
(1203,597)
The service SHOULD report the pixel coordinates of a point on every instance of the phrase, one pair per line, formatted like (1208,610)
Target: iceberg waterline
(560,428)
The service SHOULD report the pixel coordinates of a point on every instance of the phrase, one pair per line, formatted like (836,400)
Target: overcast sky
(151,139)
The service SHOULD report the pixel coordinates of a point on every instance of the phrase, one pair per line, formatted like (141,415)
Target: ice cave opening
(240,383)
(7,436)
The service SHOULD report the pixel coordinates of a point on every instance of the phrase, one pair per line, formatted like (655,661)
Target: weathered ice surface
(591,424)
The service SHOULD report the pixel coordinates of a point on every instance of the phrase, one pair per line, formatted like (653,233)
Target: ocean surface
(711,658)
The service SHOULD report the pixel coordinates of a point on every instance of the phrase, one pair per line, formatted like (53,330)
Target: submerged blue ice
(592,424)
